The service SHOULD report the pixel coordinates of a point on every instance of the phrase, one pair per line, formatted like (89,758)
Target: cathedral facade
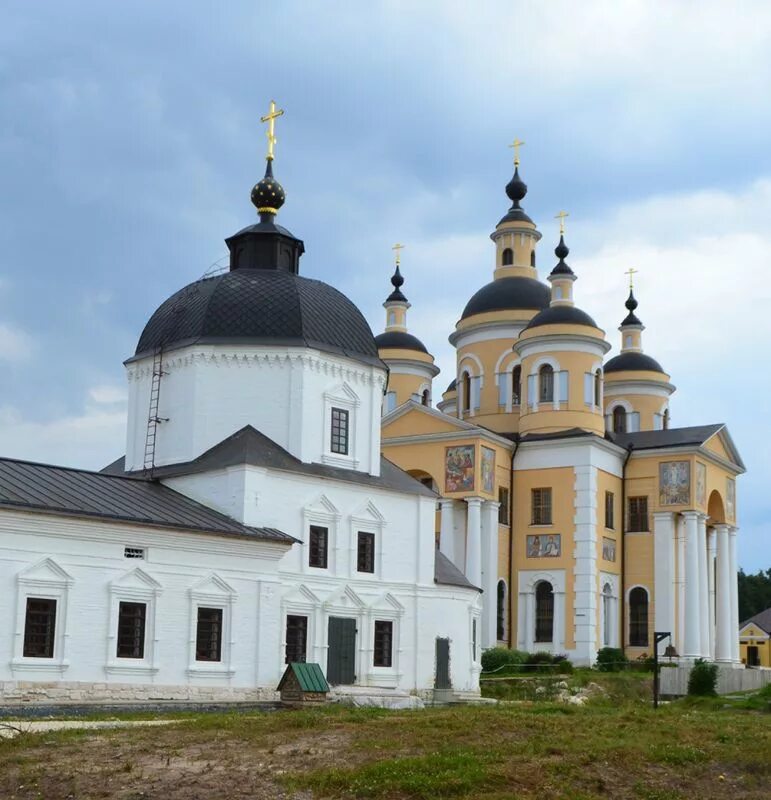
(566,493)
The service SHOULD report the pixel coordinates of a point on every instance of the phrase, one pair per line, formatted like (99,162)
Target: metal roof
(28,486)
(447,574)
(309,676)
(762,619)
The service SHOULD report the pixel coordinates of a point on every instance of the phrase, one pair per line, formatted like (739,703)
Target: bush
(611,659)
(703,679)
(497,657)
(540,662)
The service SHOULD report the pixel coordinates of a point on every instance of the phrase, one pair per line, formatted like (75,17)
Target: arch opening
(716,508)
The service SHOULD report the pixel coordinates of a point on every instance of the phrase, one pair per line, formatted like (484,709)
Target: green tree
(754,593)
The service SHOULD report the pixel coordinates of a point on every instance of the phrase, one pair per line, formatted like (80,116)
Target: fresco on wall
(701,483)
(488,469)
(674,483)
(730,493)
(459,469)
(608,549)
(546,546)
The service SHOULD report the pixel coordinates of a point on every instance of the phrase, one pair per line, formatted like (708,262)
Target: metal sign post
(658,636)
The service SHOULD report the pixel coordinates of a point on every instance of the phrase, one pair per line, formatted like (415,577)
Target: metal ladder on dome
(153,420)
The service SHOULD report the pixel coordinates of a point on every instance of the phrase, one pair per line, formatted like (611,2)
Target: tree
(754,593)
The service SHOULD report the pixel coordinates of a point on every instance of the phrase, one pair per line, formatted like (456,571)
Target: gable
(414,422)
(721,444)
(46,571)
(715,445)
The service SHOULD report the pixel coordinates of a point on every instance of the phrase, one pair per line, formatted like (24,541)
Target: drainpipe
(511,538)
(622,604)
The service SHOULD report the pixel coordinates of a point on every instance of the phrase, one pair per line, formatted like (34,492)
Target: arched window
(666,419)
(392,318)
(516,385)
(501,616)
(546,384)
(607,615)
(638,617)
(425,398)
(544,612)
(619,420)
(507,257)
(597,388)
(466,391)
(532,258)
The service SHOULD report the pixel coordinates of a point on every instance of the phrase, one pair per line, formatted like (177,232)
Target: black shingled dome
(561,315)
(627,362)
(507,294)
(399,340)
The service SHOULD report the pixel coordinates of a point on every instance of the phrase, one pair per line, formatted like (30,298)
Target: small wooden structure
(303,684)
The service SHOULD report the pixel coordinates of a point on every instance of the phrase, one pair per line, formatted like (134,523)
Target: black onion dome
(628,362)
(393,340)
(268,194)
(516,189)
(561,315)
(261,306)
(631,305)
(561,251)
(508,294)
(453,386)
(397,281)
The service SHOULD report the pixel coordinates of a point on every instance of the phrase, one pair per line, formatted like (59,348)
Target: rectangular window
(317,547)
(133,552)
(541,507)
(131,630)
(610,518)
(365,559)
(339,431)
(39,628)
(384,635)
(638,514)
(208,640)
(503,507)
(296,639)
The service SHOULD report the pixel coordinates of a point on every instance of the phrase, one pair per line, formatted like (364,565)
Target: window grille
(133,552)
(544,612)
(39,628)
(638,514)
(546,384)
(296,639)
(131,630)
(317,547)
(208,643)
(365,561)
(541,507)
(383,643)
(339,442)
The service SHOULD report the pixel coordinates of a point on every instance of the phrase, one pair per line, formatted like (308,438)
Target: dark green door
(341,655)
(442,664)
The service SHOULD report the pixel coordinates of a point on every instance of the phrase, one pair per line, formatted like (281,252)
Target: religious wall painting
(459,468)
(544,546)
(674,483)
(608,549)
(488,470)
(701,484)
(730,493)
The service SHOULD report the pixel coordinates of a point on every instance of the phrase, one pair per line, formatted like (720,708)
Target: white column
(723,649)
(558,637)
(680,638)
(703,588)
(474,540)
(489,573)
(529,620)
(447,529)
(734,594)
(711,587)
(664,571)
(692,648)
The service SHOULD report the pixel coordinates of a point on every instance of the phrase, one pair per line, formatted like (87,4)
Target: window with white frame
(340,406)
(211,621)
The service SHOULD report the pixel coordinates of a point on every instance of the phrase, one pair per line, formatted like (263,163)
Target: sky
(130,140)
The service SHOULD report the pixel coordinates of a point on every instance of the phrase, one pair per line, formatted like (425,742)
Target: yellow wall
(645,404)
(752,635)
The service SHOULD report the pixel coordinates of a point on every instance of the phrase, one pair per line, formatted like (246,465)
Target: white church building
(253,521)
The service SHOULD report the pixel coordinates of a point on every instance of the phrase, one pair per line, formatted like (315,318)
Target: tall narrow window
(638,617)
(610,519)
(532,258)
(425,398)
(296,639)
(503,506)
(597,388)
(619,420)
(208,640)
(466,387)
(666,419)
(317,547)
(131,630)
(384,635)
(544,612)
(339,441)
(607,615)
(365,556)
(500,627)
(546,384)
(474,640)
(507,257)
(516,385)
(638,514)
(39,628)
(541,507)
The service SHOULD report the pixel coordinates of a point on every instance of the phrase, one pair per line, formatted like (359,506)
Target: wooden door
(341,655)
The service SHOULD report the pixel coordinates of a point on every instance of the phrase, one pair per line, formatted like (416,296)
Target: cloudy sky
(130,139)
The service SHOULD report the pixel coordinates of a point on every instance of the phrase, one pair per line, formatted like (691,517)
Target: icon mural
(674,483)
(459,469)
(701,483)
(608,549)
(730,492)
(546,546)
(488,469)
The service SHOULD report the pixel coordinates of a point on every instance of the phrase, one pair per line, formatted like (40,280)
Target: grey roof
(446,573)
(762,619)
(28,486)
(250,446)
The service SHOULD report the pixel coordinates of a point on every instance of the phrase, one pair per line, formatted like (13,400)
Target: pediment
(213,585)
(411,419)
(301,595)
(721,444)
(136,579)
(344,597)
(45,571)
(343,391)
(389,603)
(369,512)
(324,506)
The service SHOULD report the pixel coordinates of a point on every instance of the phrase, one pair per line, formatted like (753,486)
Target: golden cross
(397,247)
(516,144)
(561,217)
(270,118)
(631,272)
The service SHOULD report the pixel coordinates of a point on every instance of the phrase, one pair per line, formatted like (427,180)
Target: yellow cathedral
(565,494)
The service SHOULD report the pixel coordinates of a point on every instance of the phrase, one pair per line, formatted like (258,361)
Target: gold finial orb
(398,248)
(631,272)
(561,217)
(270,118)
(516,144)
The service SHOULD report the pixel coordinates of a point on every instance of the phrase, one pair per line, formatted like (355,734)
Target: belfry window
(532,258)
(546,384)
(619,420)
(638,617)
(598,388)
(666,419)
(507,257)
(466,391)
(425,398)
(516,386)
(544,612)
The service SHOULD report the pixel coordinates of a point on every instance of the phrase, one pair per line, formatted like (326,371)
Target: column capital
(664,516)
(732,530)
(697,515)
(721,527)
(445,501)
(474,501)
(491,504)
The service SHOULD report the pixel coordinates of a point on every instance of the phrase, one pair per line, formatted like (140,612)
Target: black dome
(452,387)
(400,340)
(261,306)
(561,315)
(625,362)
(508,293)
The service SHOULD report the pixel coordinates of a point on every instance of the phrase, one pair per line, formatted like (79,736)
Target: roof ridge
(98,473)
